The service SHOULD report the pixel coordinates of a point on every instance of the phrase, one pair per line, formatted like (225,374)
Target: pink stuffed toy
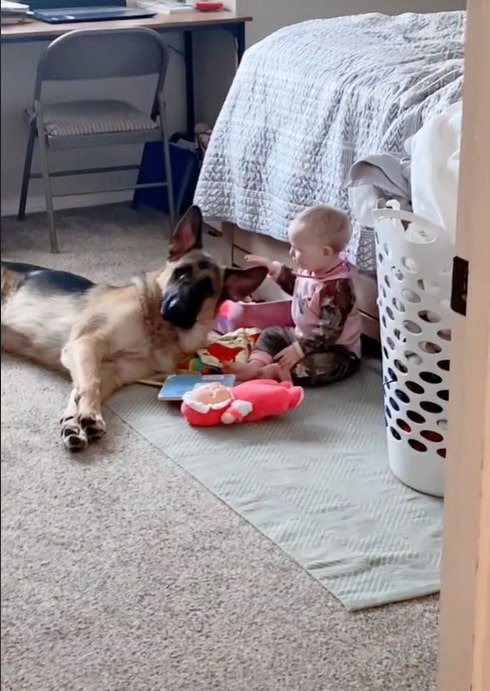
(215,404)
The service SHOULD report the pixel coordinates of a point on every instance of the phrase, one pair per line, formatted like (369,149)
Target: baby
(325,344)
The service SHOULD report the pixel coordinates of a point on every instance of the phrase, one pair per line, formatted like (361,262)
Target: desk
(188,24)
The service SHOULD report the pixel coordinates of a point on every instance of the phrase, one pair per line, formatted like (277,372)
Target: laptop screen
(57,4)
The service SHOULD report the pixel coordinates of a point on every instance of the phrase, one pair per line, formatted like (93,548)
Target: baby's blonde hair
(330,225)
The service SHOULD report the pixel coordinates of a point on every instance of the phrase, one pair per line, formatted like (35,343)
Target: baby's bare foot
(244,371)
(275,371)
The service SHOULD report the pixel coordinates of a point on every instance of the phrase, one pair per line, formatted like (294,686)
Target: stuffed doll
(215,404)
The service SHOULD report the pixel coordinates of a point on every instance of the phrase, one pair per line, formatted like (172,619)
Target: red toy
(207,5)
(215,404)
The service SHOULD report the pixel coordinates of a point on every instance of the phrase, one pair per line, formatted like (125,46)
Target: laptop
(96,11)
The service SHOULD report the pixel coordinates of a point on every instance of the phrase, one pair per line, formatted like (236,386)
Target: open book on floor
(176,385)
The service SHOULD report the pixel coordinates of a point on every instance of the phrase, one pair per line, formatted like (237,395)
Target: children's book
(176,385)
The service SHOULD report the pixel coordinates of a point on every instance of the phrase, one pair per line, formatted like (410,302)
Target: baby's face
(307,250)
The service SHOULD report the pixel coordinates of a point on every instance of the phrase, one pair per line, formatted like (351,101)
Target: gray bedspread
(311,99)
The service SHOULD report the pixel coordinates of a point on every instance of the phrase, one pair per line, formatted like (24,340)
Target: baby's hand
(257,260)
(290,356)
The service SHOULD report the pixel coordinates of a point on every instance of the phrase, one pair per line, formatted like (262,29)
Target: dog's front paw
(73,436)
(93,425)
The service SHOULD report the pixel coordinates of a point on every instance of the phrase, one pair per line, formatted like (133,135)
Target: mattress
(312,98)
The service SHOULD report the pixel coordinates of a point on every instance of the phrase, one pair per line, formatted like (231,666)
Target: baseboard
(37,203)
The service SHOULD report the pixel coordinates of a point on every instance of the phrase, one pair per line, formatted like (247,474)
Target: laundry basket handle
(408,217)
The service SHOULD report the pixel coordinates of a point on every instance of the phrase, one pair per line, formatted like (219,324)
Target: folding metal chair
(95,55)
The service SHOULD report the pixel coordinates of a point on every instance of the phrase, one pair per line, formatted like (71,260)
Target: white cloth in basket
(434,151)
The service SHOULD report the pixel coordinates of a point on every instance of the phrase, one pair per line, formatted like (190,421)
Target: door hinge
(459,287)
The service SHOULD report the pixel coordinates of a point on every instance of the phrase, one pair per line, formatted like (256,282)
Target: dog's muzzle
(177,310)
(183,301)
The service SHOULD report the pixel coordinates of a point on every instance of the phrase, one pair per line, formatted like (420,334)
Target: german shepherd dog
(106,336)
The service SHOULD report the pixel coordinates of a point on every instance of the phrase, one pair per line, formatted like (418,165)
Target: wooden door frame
(464,633)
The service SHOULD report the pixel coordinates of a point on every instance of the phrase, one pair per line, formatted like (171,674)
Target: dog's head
(195,284)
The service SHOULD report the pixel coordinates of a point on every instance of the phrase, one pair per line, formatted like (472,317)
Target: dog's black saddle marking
(50,280)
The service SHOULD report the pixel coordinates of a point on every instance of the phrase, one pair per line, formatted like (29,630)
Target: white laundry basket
(414,267)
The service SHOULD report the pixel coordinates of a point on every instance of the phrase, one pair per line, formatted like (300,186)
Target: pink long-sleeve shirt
(324,307)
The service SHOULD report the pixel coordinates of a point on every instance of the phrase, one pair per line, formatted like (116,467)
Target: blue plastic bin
(185,165)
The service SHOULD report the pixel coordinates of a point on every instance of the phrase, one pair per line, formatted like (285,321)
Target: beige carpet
(120,572)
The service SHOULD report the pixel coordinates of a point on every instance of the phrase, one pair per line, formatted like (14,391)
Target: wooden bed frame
(238,242)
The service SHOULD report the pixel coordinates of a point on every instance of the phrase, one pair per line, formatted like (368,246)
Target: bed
(310,100)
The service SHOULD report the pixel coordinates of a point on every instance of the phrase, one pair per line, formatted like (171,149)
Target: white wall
(18,65)
(273,14)
(215,64)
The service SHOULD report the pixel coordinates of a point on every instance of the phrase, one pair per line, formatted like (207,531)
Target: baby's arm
(284,277)
(280,273)
(336,300)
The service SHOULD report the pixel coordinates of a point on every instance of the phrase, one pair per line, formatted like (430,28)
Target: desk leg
(189,83)
(239,34)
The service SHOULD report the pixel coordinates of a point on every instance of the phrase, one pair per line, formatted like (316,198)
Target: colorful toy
(215,404)
(230,347)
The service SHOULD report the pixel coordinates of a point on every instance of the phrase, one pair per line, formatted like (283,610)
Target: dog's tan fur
(110,336)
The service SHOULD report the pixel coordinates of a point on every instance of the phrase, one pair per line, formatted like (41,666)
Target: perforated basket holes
(417,423)
(410,295)
(410,265)
(419,235)
(412,326)
(427,286)
(429,316)
(413,298)
(415,399)
(422,432)
(415,366)
(444,334)
(412,357)
(429,347)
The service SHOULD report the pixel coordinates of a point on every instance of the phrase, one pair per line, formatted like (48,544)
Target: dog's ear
(240,283)
(187,234)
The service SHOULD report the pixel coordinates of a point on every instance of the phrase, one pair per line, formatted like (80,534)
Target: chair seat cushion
(75,118)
